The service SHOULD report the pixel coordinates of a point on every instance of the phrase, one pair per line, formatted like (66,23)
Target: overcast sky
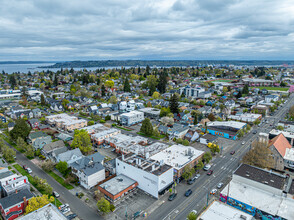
(60,30)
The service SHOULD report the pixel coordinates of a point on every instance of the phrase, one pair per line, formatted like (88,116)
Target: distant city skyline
(146,30)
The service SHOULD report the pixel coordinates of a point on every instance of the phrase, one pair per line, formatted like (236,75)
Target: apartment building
(66,122)
(131,118)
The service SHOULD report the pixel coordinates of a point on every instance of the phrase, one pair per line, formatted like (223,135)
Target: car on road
(254,132)
(29,170)
(71,216)
(213,191)
(210,172)
(233,152)
(243,142)
(172,197)
(190,181)
(207,167)
(220,185)
(188,192)
(56,194)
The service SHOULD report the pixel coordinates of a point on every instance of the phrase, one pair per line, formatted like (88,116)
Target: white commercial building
(152,176)
(179,156)
(220,211)
(17,94)
(247,117)
(66,122)
(131,118)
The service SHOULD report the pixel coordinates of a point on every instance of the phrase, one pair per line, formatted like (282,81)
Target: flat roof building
(131,118)
(152,176)
(117,187)
(248,117)
(220,211)
(152,113)
(179,156)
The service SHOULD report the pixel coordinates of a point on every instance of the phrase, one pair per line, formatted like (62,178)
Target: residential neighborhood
(124,143)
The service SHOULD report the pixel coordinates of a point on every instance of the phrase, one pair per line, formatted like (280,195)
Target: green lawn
(60,180)
(150,136)
(272,88)
(122,128)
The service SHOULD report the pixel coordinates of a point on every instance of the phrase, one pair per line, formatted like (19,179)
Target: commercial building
(179,156)
(196,92)
(258,82)
(260,193)
(17,94)
(131,118)
(247,117)
(99,133)
(115,188)
(152,113)
(226,129)
(220,211)
(66,122)
(152,176)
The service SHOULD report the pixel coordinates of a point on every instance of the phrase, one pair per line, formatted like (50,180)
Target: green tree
(156,95)
(174,104)
(259,155)
(188,172)
(127,87)
(21,129)
(164,111)
(199,165)
(245,89)
(162,82)
(103,205)
(186,142)
(47,165)
(43,100)
(90,123)
(192,216)
(207,157)
(146,127)
(214,149)
(240,133)
(280,127)
(256,122)
(109,83)
(8,154)
(62,166)
(37,203)
(64,103)
(211,117)
(82,140)
(151,84)
(103,90)
(156,132)
(112,100)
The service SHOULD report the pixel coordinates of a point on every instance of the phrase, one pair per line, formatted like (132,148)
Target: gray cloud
(146,29)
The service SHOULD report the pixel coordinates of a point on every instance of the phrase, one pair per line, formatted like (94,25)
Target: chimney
(25,203)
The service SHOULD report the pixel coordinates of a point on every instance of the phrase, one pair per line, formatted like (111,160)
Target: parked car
(197,176)
(210,172)
(220,185)
(172,197)
(207,167)
(71,216)
(107,146)
(65,210)
(243,142)
(24,167)
(29,170)
(191,181)
(63,206)
(188,192)
(212,192)
(232,152)
(56,194)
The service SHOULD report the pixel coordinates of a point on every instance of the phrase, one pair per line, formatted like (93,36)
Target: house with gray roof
(39,139)
(48,149)
(89,170)
(69,156)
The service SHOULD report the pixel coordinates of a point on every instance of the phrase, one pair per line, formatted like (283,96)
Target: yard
(60,180)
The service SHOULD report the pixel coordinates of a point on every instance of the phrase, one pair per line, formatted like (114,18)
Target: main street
(223,167)
(76,205)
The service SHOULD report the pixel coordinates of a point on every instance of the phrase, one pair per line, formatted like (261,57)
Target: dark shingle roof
(37,134)
(15,198)
(262,176)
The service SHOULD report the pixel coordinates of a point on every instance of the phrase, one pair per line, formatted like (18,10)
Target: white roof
(285,133)
(289,155)
(234,124)
(177,155)
(72,122)
(245,117)
(263,200)
(132,113)
(221,211)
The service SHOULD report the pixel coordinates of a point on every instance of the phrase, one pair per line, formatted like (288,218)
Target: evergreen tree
(162,83)
(55,81)
(42,100)
(127,87)
(245,89)
(146,127)
(103,90)
(12,81)
(174,104)
(98,81)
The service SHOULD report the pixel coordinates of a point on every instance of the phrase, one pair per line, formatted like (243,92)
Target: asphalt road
(223,167)
(76,205)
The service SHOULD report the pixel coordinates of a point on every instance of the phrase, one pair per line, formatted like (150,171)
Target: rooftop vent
(120,180)
(243,217)
(265,182)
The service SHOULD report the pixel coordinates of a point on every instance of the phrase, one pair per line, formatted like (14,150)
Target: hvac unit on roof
(243,217)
